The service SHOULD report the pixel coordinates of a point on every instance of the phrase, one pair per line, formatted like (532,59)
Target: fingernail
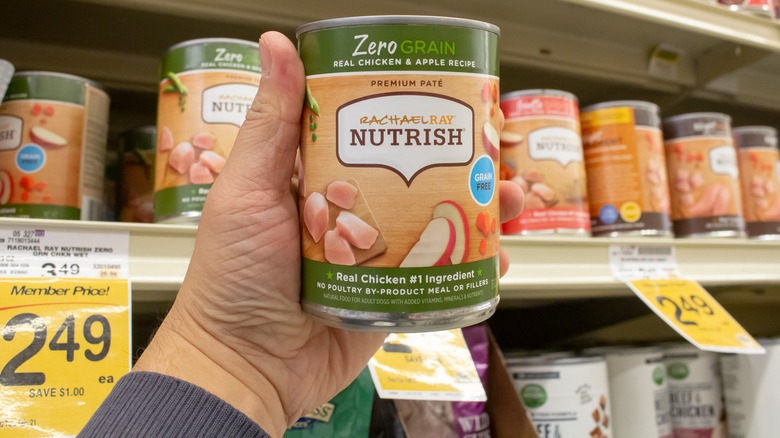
(266,61)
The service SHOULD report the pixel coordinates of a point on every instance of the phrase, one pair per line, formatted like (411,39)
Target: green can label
(399,154)
(206,89)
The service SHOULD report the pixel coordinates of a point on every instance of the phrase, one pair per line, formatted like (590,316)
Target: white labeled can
(639,392)
(564,397)
(751,384)
(695,390)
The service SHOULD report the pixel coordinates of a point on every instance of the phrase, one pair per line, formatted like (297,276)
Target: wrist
(184,351)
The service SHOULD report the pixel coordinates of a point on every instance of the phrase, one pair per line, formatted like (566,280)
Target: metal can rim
(623,350)
(754,128)
(211,40)
(689,116)
(539,92)
(635,104)
(396,19)
(544,361)
(62,75)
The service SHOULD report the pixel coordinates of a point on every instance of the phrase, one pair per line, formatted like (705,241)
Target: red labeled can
(759,170)
(541,149)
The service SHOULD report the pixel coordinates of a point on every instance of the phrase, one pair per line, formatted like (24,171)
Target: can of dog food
(695,389)
(53,130)
(624,158)
(565,397)
(639,392)
(759,171)
(136,174)
(541,150)
(206,88)
(704,176)
(399,151)
(751,383)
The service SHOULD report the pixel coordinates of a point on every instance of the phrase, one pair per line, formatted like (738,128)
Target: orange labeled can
(703,176)
(53,130)
(759,170)
(206,88)
(624,158)
(541,149)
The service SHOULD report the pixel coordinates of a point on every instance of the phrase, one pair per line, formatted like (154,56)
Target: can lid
(539,92)
(519,355)
(693,116)
(621,350)
(697,124)
(557,361)
(755,136)
(645,113)
(212,40)
(396,19)
(635,104)
(61,75)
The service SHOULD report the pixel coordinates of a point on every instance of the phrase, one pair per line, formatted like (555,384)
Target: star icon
(479,272)
(330,275)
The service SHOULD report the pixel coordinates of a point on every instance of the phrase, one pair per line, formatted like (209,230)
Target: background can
(639,391)
(624,158)
(704,176)
(751,383)
(399,152)
(541,149)
(206,88)
(53,130)
(759,170)
(137,148)
(695,389)
(565,397)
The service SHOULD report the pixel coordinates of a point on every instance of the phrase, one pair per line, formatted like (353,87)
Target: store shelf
(607,41)
(159,254)
(543,268)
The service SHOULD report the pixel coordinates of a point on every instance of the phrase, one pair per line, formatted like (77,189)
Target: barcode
(654,250)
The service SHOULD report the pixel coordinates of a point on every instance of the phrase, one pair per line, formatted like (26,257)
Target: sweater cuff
(144,404)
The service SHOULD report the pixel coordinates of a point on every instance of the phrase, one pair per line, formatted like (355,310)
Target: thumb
(263,156)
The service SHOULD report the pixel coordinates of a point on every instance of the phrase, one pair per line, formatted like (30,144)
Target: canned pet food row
(617,169)
(674,391)
(647,392)
(53,134)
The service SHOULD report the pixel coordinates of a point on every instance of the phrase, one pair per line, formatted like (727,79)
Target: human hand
(237,328)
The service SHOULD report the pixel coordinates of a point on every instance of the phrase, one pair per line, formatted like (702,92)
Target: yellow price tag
(695,314)
(426,366)
(64,344)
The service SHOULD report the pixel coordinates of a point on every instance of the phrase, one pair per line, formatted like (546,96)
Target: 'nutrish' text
(382,131)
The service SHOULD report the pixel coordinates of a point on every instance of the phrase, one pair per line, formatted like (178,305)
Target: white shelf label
(48,252)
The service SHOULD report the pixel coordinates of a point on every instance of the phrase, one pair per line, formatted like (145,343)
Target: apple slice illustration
(491,139)
(435,246)
(46,138)
(510,139)
(6,187)
(454,212)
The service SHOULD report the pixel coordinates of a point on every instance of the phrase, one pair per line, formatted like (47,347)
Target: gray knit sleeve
(146,404)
